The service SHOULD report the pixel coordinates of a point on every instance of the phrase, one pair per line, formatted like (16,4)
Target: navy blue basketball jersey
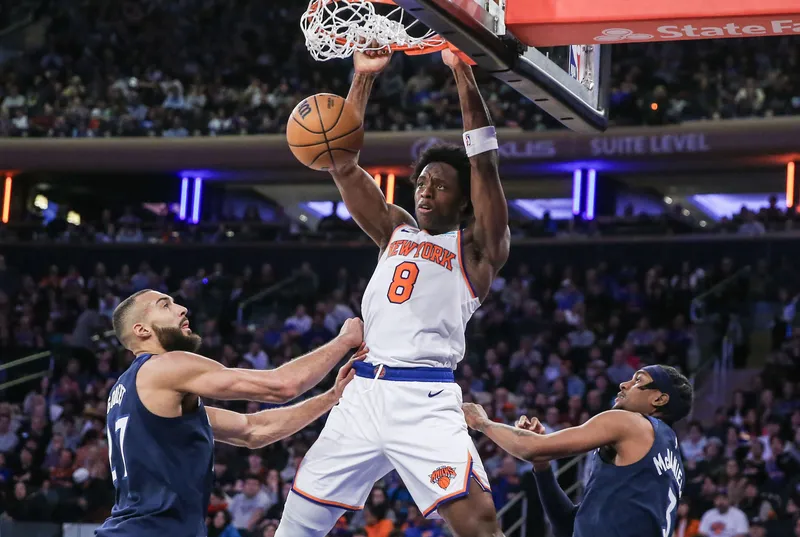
(638,500)
(162,467)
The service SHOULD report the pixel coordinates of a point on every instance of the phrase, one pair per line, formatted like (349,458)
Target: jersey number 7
(119,431)
(405,276)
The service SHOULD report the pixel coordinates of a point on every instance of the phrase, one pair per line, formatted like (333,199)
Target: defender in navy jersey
(161,435)
(637,472)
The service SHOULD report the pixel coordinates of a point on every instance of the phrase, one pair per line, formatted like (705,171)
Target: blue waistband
(407,374)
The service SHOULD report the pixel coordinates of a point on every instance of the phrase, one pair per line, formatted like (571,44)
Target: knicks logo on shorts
(443,476)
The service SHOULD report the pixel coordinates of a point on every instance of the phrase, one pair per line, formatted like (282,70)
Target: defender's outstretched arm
(268,426)
(191,373)
(362,196)
(260,429)
(490,228)
(607,428)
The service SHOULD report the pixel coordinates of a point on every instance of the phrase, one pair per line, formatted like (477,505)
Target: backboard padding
(474,31)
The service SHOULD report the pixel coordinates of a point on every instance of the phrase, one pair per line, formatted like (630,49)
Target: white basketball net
(338,29)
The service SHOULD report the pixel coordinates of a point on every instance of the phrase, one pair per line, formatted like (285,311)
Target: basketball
(322,129)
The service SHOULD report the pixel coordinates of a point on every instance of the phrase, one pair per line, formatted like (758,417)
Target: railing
(29,377)
(521,525)
(261,295)
(717,349)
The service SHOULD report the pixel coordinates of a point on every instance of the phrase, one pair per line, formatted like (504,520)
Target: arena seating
(144,227)
(228,78)
(551,341)
(579,306)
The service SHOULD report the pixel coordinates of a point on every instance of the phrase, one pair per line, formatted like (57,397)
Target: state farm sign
(669,32)
(581,22)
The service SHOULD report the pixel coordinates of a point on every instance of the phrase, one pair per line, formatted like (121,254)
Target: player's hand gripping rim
(372,61)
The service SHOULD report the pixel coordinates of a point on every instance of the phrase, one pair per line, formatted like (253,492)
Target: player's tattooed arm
(557,506)
(260,429)
(607,428)
(362,196)
(490,228)
(191,373)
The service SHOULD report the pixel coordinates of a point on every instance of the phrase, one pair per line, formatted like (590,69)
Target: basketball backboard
(554,52)
(568,82)
(570,78)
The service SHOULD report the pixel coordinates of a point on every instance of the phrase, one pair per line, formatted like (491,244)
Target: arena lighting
(390,188)
(6,199)
(184,198)
(378,179)
(198,194)
(577,175)
(790,185)
(719,205)
(559,208)
(590,194)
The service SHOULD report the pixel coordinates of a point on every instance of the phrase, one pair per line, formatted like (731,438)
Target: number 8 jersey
(418,302)
(163,468)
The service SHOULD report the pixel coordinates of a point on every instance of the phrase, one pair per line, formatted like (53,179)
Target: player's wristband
(480,141)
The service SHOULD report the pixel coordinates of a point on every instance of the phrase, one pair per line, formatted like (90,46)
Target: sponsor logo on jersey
(422,250)
(443,476)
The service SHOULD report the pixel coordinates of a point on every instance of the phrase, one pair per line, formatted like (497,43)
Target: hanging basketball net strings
(338,29)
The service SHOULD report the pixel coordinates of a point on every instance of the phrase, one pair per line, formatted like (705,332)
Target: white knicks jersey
(418,302)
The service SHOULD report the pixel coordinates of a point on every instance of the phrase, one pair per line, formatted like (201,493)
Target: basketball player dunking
(403,409)
(637,472)
(161,436)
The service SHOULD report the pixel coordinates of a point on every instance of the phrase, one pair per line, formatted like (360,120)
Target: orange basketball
(322,129)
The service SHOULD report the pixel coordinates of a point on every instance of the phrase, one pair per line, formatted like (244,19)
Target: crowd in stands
(549,341)
(213,67)
(268,223)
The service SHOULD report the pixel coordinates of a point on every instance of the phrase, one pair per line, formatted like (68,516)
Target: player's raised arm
(190,373)
(607,428)
(362,196)
(557,506)
(260,429)
(490,227)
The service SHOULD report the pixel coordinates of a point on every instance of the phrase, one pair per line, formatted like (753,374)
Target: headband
(675,409)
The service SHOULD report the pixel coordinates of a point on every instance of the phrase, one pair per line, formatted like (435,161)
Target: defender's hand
(347,373)
(475,416)
(533,425)
(352,332)
(372,61)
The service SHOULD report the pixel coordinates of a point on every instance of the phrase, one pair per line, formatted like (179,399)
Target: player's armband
(480,140)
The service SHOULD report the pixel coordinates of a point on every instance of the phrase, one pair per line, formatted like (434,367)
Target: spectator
(619,371)
(723,520)
(220,525)
(693,447)
(376,523)
(300,322)
(8,438)
(751,226)
(249,506)
(257,357)
(685,525)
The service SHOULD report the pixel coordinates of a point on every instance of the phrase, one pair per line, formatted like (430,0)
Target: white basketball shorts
(408,419)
